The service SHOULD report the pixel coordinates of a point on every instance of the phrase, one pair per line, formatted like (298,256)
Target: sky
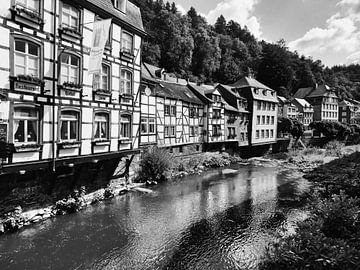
(328,30)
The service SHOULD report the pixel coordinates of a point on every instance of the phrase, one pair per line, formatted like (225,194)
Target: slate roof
(303,102)
(249,82)
(132,17)
(282,99)
(176,91)
(228,107)
(303,92)
(321,90)
(150,71)
(200,90)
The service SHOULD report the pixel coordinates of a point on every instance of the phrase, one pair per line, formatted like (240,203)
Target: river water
(223,219)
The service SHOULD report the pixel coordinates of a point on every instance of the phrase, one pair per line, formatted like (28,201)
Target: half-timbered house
(52,110)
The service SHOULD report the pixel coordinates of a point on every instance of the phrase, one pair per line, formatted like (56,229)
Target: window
(69,127)
(70,17)
(27,58)
(192,131)
(120,4)
(102,80)
(126,42)
(126,82)
(173,110)
(70,68)
(216,114)
(257,136)
(272,120)
(33,5)
(258,120)
(268,120)
(26,125)
(148,125)
(169,131)
(272,133)
(170,110)
(264,106)
(259,105)
(262,133)
(193,112)
(268,106)
(273,106)
(125,126)
(263,120)
(101,126)
(267,133)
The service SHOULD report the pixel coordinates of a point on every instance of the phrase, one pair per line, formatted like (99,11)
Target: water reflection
(214,221)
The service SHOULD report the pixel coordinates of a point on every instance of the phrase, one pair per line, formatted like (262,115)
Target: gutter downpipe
(53,88)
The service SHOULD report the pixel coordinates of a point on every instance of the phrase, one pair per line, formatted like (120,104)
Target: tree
(220,25)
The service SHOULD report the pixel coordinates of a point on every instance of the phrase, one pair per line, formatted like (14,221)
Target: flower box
(33,147)
(69,144)
(27,83)
(69,33)
(27,16)
(127,56)
(101,142)
(70,89)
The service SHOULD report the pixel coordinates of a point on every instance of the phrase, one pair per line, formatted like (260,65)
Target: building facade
(324,101)
(54,112)
(306,111)
(263,106)
(287,109)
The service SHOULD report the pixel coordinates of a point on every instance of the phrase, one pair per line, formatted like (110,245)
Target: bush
(68,205)
(154,164)
(333,148)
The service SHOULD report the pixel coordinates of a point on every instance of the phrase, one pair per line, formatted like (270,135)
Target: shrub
(154,164)
(67,205)
(333,148)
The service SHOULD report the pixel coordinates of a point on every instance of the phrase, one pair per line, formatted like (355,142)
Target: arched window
(27,58)
(102,80)
(26,125)
(70,68)
(69,125)
(101,126)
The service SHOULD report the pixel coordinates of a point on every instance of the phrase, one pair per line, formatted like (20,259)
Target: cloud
(239,11)
(181,9)
(340,36)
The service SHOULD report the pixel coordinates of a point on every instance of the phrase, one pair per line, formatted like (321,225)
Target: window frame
(104,112)
(13,38)
(116,5)
(129,122)
(108,66)
(12,132)
(80,68)
(78,126)
(122,92)
(36,23)
(61,17)
(131,52)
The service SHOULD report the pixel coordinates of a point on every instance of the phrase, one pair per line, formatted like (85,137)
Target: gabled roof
(321,90)
(249,82)
(282,99)
(303,92)
(200,91)
(151,71)
(132,18)
(228,107)
(176,91)
(303,102)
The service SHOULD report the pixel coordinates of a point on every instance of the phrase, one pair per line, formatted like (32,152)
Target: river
(222,219)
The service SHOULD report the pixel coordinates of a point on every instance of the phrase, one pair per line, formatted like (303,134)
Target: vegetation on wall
(190,47)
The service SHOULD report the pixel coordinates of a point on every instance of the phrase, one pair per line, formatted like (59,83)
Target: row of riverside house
(57,121)
(54,116)
(319,103)
(188,117)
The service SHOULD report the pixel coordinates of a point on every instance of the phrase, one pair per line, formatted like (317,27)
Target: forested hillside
(191,48)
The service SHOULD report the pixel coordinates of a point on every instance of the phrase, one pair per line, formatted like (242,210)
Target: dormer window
(121,5)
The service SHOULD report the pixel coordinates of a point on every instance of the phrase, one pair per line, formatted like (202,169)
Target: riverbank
(330,237)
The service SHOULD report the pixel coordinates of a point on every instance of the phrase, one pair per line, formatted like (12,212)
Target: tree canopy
(189,46)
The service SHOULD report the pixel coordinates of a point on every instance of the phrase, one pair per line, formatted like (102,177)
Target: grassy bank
(330,237)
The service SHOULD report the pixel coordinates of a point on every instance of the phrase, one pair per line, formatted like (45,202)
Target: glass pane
(74,61)
(32,63)
(69,115)
(65,58)
(74,72)
(24,113)
(33,4)
(97,130)
(20,46)
(103,130)
(19,70)
(101,117)
(19,131)
(33,49)
(73,130)
(32,131)
(64,130)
